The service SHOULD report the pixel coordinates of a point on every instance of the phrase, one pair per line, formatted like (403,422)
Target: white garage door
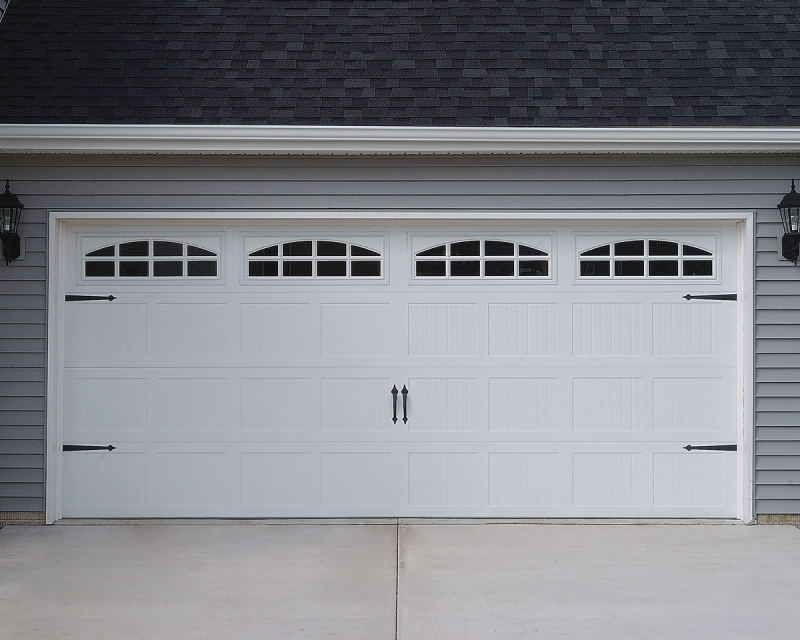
(246,371)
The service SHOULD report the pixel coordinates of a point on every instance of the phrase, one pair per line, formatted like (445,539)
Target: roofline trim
(347,140)
(217,215)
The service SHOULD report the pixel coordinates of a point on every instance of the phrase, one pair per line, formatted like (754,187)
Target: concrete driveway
(407,579)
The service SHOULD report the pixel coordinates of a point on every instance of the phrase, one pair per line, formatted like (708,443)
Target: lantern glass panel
(10,211)
(790,216)
(10,220)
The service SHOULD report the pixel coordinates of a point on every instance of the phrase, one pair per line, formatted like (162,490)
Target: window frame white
(585,242)
(90,243)
(544,243)
(253,243)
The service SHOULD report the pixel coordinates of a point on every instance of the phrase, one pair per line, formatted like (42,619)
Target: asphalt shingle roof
(403,62)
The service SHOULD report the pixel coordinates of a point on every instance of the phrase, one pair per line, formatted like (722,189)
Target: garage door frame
(57,233)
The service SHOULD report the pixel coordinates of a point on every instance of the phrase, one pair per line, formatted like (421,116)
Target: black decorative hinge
(716,296)
(73,298)
(711,447)
(88,447)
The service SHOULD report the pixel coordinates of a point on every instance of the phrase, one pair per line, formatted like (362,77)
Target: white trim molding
(746,356)
(58,222)
(317,215)
(327,140)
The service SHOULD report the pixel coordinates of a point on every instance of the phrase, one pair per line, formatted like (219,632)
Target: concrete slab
(209,581)
(607,581)
(456,579)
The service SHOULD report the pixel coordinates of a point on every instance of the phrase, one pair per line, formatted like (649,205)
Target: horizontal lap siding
(777,361)
(22,358)
(471,186)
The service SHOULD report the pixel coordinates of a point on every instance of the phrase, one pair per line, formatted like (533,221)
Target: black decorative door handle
(405,404)
(394,403)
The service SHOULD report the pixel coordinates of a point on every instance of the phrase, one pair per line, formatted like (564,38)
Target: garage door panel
(549,397)
(689,404)
(607,479)
(356,479)
(522,329)
(681,329)
(104,480)
(607,329)
(523,404)
(192,479)
(191,329)
(359,482)
(523,478)
(276,329)
(192,404)
(103,330)
(443,479)
(277,404)
(104,404)
(673,482)
(276,479)
(355,329)
(442,329)
(355,404)
(607,404)
(693,479)
(443,404)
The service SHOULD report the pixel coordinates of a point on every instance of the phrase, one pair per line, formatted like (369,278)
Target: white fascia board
(633,216)
(308,140)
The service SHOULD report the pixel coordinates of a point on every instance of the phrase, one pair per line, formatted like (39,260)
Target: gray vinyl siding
(508,184)
(22,373)
(777,375)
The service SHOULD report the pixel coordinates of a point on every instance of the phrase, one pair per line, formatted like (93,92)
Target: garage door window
(322,259)
(151,259)
(646,259)
(501,259)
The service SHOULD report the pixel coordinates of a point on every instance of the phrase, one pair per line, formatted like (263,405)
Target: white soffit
(308,140)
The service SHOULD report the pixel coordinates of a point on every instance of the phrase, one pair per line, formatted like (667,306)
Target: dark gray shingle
(403,62)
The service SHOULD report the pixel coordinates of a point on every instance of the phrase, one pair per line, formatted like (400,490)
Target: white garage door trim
(57,289)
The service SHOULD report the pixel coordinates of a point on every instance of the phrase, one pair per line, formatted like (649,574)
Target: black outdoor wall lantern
(10,212)
(790,215)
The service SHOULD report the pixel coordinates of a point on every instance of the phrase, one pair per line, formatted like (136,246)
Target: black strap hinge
(75,298)
(715,296)
(711,447)
(88,447)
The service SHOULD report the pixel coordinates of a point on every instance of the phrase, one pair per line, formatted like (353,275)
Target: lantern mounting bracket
(12,246)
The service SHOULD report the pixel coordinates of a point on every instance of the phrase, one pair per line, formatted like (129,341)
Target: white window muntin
(195,257)
(639,263)
(542,245)
(363,258)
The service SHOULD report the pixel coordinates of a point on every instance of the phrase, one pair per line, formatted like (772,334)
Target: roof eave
(348,140)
